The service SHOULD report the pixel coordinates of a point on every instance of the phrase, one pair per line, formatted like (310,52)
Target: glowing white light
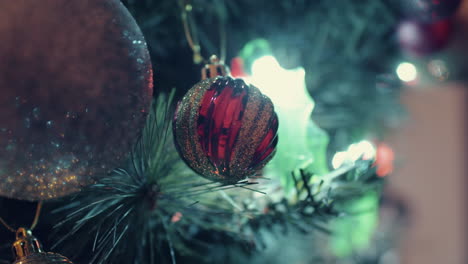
(285,88)
(265,65)
(407,72)
(339,158)
(363,149)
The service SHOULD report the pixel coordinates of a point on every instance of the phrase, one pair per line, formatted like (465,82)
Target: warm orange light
(384,159)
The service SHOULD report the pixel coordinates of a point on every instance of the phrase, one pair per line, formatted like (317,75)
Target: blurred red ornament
(430,11)
(225,129)
(384,160)
(237,68)
(419,39)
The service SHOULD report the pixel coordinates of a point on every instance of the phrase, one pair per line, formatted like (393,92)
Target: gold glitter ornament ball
(225,130)
(75,88)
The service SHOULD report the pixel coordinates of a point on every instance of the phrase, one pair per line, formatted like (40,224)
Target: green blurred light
(301,143)
(354,231)
(253,50)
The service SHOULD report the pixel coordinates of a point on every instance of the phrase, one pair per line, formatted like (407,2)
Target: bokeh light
(364,149)
(407,72)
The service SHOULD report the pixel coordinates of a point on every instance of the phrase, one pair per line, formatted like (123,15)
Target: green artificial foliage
(354,230)
(317,141)
(302,144)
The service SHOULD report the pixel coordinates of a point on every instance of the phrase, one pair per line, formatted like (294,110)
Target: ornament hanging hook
(36,216)
(7,226)
(191,32)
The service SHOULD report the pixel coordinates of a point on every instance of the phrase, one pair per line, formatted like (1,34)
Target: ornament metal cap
(28,250)
(214,68)
(25,244)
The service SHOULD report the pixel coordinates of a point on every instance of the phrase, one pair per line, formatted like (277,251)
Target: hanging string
(7,226)
(222,33)
(34,223)
(36,216)
(191,33)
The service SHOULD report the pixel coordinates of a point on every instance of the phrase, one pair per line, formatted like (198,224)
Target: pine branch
(139,203)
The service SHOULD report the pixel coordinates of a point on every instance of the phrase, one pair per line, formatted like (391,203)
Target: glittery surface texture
(75,87)
(43,258)
(225,129)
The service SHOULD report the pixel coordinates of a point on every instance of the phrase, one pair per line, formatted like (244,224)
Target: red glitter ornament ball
(419,39)
(225,129)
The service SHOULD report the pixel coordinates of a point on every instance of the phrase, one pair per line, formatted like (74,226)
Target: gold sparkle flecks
(256,122)
(45,181)
(186,129)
